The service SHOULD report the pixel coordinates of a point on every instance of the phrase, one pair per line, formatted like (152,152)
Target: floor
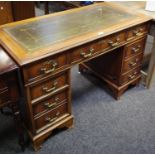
(102,124)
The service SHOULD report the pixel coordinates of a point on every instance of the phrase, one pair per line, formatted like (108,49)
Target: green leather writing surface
(44,32)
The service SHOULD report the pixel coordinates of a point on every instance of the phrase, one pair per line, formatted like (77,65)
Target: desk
(107,40)
(140,7)
(10,91)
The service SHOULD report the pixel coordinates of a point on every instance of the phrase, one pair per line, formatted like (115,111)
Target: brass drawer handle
(52,105)
(131,77)
(114,44)
(138,32)
(50,120)
(53,67)
(132,64)
(89,54)
(135,50)
(47,90)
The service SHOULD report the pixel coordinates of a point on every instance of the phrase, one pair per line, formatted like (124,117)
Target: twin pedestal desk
(102,38)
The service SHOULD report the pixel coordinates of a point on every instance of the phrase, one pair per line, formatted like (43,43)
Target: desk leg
(151,70)
(18,125)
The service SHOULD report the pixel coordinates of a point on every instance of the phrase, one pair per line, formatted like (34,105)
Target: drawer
(50,117)
(50,103)
(137,31)
(130,76)
(49,86)
(44,67)
(116,40)
(9,82)
(132,63)
(4,98)
(88,50)
(83,52)
(3,85)
(134,48)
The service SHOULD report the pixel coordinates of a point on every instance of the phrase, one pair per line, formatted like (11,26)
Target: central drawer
(50,117)
(49,86)
(90,49)
(83,52)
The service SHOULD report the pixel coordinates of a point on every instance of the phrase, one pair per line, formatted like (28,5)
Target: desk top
(36,38)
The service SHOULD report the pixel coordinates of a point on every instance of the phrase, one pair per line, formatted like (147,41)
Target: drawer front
(44,67)
(50,103)
(49,86)
(134,48)
(137,31)
(87,51)
(116,40)
(4,98)
(9,83)
(130,76)
(3,85)
(83,52)
(50,117)
(132,63)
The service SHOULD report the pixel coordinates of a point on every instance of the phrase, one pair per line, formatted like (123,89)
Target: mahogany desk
(107,40)
(140,7)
